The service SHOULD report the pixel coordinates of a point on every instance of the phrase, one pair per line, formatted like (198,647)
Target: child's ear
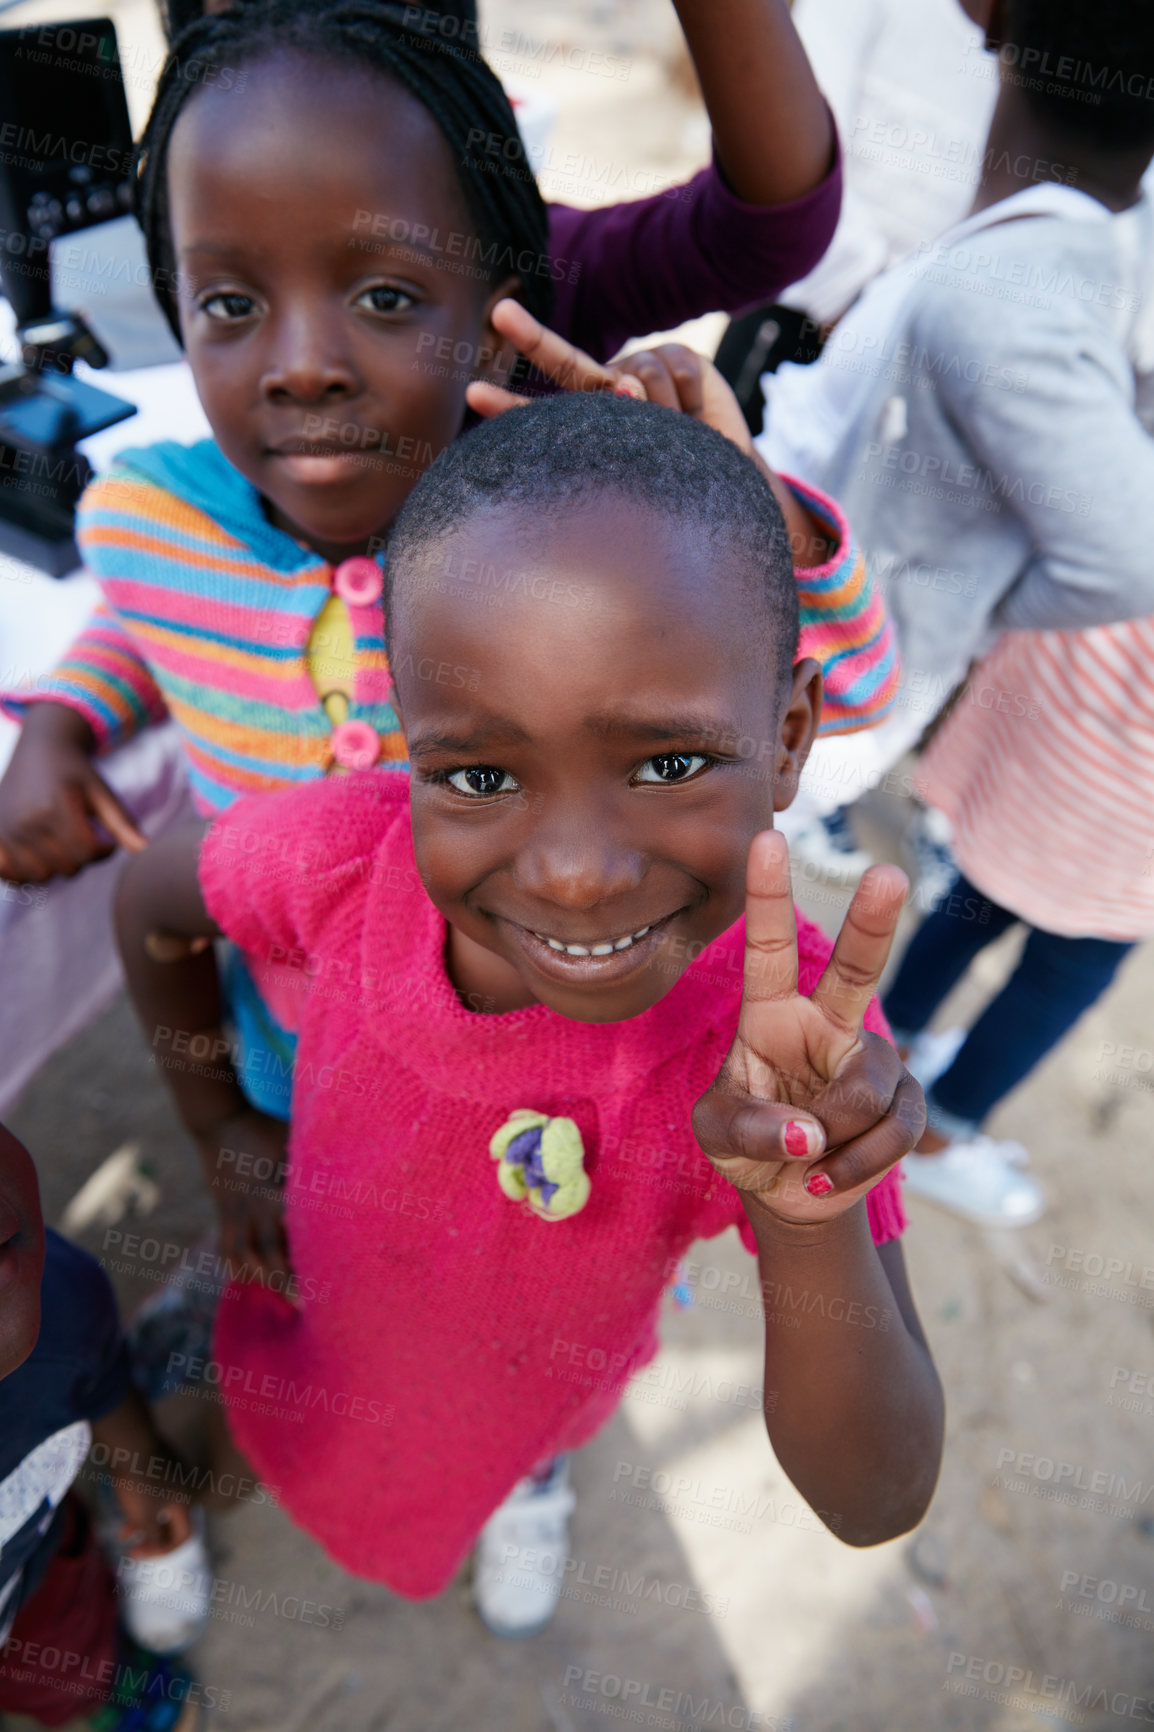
(799,726)
(496,356)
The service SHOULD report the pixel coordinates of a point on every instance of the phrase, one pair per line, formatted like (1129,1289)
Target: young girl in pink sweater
(516,970)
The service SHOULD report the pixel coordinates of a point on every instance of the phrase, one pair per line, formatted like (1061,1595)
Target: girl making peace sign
(516,969)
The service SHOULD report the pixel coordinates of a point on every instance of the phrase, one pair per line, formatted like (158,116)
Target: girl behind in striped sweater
(241,576)
(217,560)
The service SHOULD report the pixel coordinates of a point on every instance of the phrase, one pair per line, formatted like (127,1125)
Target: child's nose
(308,363)
(579,866)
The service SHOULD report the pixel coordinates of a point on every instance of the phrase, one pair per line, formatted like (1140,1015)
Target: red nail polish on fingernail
(795,1139)
(818,1185)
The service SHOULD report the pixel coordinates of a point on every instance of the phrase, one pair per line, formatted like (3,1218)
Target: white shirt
(912,89)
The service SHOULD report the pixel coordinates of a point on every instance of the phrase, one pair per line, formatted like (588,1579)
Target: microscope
(66,163)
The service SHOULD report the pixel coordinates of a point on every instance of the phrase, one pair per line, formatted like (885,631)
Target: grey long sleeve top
(977,415)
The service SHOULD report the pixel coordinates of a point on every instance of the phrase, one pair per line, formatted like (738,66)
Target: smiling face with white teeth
(584,798)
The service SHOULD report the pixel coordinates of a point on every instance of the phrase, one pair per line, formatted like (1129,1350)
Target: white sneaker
(931,1055)
(522,1553)
(981,1180)
(165,1601)
(828,847)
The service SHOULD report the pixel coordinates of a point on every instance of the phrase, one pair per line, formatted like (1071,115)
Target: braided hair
(407,43)
(177,15)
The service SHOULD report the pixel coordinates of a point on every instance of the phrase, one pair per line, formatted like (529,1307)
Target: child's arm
(155,1519)
(854,1407)
(857,1410)
(736,234)
(772,131)
(844,40)
(164,931)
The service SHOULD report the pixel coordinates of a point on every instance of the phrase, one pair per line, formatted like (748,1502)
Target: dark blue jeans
(1055,981)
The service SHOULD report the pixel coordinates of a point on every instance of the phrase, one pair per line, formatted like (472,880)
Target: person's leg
(1056,980)
(231,1475)
(523,1552)
(956,1165)
(939,953)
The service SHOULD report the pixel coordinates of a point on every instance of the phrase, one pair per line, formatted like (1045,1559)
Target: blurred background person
(912,93)
(1050,790)
(976,410)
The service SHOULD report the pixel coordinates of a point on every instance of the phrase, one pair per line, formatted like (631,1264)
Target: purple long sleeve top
(650,264)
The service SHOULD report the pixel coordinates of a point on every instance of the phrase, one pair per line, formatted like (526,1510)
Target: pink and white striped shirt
(1046,770)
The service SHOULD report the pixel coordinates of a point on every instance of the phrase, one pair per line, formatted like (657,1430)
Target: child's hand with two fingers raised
(810,1110)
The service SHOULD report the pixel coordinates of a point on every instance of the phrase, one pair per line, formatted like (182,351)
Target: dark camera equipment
(759,342)
(66,163)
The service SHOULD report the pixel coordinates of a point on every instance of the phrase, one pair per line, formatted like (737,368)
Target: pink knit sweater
(451,1339)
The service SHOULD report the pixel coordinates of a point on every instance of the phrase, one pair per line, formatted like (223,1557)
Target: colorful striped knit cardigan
(208,609)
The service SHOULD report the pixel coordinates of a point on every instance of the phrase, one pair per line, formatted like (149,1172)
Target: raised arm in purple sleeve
(648,265)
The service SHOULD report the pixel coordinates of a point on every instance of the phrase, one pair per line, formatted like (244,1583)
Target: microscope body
(66,163)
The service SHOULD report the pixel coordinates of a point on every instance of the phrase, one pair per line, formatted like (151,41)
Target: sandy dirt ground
(704,1593)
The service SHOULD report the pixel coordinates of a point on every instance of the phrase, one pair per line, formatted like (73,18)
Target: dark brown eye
(226,306)
(482,779)
(383,299)
(671,767)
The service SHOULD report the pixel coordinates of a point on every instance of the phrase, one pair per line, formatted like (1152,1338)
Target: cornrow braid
(444,74)
(177,15)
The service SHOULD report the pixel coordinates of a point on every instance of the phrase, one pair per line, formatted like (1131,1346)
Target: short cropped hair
(573,448)
(1086,66)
